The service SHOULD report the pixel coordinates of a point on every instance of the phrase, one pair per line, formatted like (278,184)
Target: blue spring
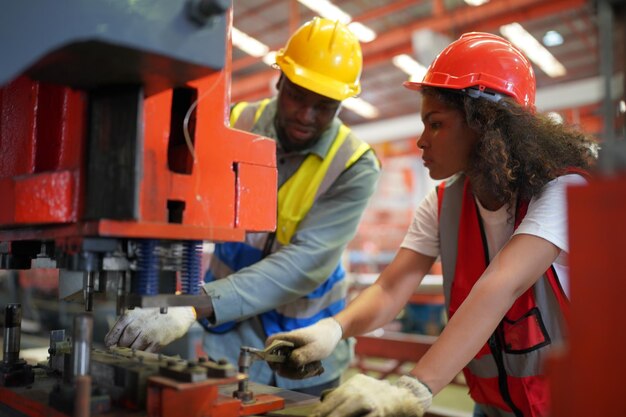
(190,275)
(147,273)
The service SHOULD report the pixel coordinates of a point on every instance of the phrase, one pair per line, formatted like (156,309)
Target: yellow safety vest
(297,195)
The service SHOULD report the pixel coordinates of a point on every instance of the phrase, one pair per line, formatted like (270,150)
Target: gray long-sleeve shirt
(297,268)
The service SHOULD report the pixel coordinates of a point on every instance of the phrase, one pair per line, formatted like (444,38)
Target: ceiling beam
(385,10)
(461,17)
(544,9)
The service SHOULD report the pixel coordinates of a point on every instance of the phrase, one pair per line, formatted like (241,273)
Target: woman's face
(447,140)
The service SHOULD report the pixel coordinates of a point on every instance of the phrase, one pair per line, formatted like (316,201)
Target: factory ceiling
(400,27)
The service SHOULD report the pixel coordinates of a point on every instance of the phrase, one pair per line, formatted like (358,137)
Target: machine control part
(81,347)
(220,369)
(12,333)
(58,344)
(88,283)
(58,350)
(277,352)
(13,370)
(201,11)
(179,371)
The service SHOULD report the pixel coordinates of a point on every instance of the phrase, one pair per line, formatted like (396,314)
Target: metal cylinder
(12,333)
(88,283)
(81,347)
(82,398)
(121,293)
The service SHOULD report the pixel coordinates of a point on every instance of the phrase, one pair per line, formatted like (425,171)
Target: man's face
(302,115)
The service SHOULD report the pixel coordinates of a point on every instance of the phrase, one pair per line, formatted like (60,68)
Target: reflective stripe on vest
(506,376)
(295,198)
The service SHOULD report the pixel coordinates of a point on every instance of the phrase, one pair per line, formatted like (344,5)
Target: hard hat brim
(411,85)
(316,82)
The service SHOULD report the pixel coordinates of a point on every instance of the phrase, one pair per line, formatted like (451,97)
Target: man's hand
(363,395)
(147,329)
(312,344)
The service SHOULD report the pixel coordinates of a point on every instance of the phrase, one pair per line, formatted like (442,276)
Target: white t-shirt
(546,218)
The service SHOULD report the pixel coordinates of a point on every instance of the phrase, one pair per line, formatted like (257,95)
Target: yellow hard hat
(325,57)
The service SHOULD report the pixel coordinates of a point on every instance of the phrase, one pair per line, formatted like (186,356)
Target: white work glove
(147,329)
(312,344)
(362,395)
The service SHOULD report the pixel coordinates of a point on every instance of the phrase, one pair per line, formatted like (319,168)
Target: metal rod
(82,400)
(81,346)
(121,292)
(12,333)
(88,291)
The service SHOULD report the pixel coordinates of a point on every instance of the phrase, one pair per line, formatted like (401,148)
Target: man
(291,278)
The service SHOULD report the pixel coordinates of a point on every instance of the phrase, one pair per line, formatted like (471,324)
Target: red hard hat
(483,61)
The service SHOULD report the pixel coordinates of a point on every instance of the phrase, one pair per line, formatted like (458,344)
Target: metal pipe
(121,293)
(12,333)
(81,346)
(88,290)
(82,399)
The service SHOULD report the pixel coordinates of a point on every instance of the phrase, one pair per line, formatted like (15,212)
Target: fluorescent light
(362,32)
(533,49)
(270,58)
(407,64)
(248,44)
(476,2)
(552,38)
(361,107)
(328,10)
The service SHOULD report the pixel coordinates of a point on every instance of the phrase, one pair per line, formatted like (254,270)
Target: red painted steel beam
(393,345)
(584,37)
(459,18)
(543,9)
(597,335)
(388,9)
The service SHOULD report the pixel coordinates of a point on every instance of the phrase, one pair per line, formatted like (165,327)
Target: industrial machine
(116,159)
(78,380)
(116,165)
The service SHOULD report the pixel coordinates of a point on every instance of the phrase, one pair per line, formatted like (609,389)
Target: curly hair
(518,151)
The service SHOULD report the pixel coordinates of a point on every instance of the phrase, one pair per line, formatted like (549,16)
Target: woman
(499,224)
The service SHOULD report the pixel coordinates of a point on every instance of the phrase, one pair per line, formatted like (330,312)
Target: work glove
(362,395)
(147,329)
(312,344)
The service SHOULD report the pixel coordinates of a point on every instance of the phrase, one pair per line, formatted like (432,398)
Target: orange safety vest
(506,377)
